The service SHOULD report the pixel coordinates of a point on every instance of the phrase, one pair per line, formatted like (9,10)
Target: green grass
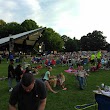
(63,100)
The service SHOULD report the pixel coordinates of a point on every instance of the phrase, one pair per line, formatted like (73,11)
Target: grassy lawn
(63,100)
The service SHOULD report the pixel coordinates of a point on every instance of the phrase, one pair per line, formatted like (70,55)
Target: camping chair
(103,102)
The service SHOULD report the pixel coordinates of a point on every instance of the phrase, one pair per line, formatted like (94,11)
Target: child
(61,80)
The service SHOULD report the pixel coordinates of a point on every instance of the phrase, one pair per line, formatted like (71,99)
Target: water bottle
(102,85)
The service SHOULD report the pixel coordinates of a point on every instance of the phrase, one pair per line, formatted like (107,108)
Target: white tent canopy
(29,36)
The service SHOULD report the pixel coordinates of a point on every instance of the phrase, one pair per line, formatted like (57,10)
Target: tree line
(54,41)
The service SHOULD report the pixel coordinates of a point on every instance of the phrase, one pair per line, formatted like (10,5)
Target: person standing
(11,74)
(11,56)
(29,94)
(18,73)
(92,59)
(99,55)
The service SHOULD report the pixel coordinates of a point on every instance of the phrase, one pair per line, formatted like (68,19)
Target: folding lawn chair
(103,102)
(84,106)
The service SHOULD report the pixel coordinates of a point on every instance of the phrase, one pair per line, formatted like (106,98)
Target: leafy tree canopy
(29,25)
(52,40)
(93,41)
(2,22)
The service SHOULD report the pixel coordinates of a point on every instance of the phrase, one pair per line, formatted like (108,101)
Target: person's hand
(52,77)
(87,74)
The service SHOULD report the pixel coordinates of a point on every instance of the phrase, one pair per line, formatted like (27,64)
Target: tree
(2,25)
(11,28)
(72,45)
(93,41)
(2,22)
(108,47)
(29,25)
(76,44)
(52,40)
(14,28)
(65,38)
(85,43)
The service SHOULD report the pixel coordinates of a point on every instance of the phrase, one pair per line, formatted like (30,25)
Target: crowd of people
(28,92)
(90,62)
(26,84)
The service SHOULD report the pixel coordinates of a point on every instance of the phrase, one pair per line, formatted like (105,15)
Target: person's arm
(42,104)
(85,73)
(11,107)
(76,73)
(51,77)
(48,75)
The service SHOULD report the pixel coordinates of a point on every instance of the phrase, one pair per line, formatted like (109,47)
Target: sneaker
(10,90)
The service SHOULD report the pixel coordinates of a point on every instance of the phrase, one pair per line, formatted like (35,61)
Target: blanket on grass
(70,70)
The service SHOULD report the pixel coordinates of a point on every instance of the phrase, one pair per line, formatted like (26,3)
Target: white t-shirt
(81,73)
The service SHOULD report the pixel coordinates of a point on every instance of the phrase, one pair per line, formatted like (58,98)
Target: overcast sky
(73,18)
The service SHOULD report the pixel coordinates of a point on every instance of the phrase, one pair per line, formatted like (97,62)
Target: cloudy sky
(73,18)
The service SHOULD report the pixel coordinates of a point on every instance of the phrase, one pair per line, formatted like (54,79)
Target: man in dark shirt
(28,94)
(18,73)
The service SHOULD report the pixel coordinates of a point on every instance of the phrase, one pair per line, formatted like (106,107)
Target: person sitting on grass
(61,80)
(35,71)
(28,70)
(96,67)
(39,66)
(81,77)
(48,79)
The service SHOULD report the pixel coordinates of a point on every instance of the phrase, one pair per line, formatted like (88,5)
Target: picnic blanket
(70,70)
